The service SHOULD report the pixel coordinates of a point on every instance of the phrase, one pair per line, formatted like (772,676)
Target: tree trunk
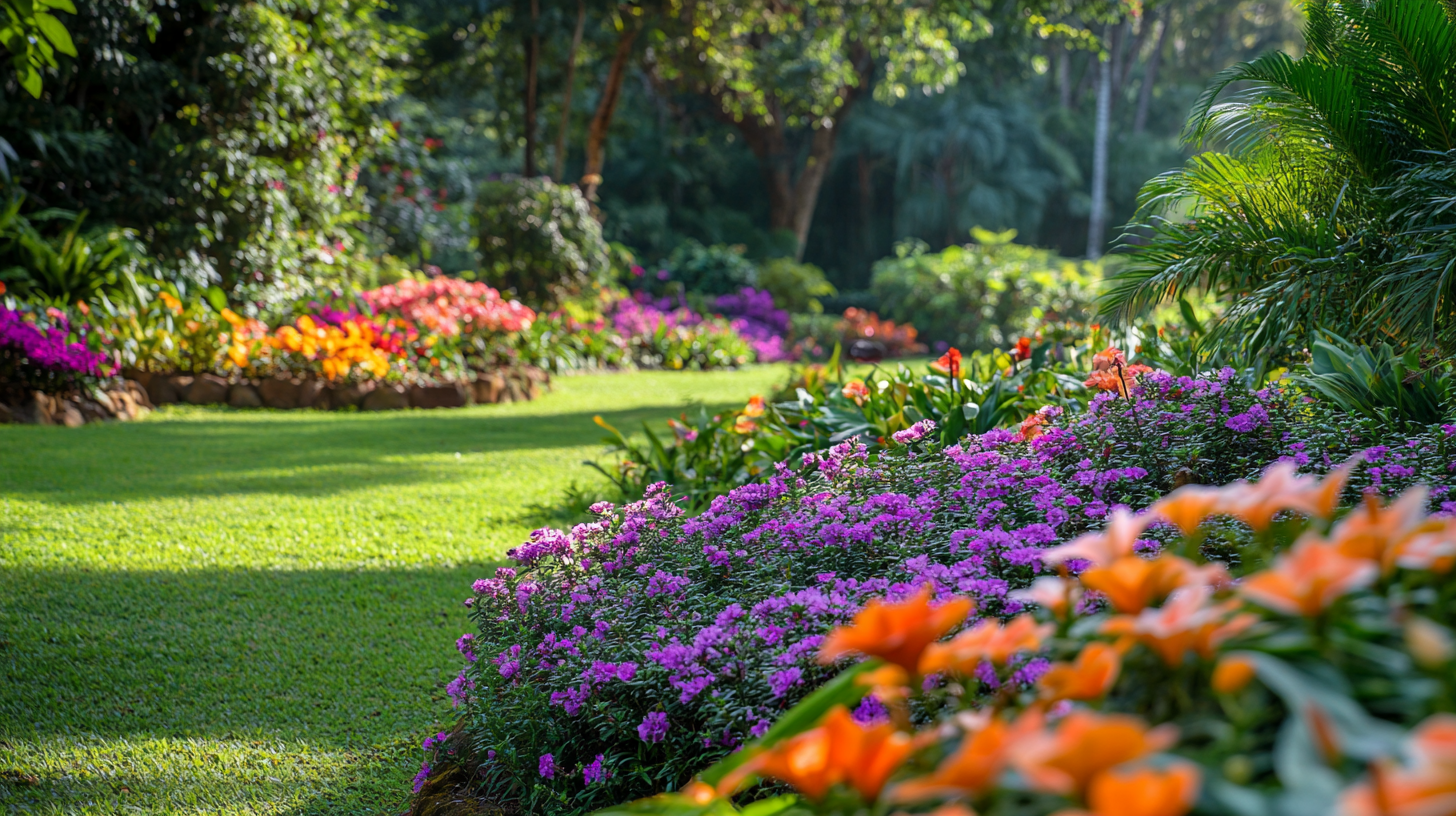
(533,61)
(1097,216)
(1064,78)
(1150,75)
(596,136)
(560,157)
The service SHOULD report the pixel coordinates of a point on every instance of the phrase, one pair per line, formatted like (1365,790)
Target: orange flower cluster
(753,410)
(1110,371)
(335,350)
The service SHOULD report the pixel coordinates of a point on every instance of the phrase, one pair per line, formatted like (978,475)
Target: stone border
(124,403)
(501,385)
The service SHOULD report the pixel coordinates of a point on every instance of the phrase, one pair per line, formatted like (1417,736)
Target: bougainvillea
(37,353)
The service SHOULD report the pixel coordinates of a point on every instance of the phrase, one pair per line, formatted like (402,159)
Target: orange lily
(856,390)
(1427,788)
(1114,541)
(754,408)
(1131,582)
(1106,381)
(1257,504)
(1321,499)
(899,633)
(1142,792)
(1375,531)
(1433,549)
(1188,506)
(1107,359)
(1084,745)
(1186,622)
(970,771)
(1308,579)
(837,750)
(1059,595)
(987,640)
(1090,677)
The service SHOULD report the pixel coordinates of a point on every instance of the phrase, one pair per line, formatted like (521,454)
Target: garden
(374,440)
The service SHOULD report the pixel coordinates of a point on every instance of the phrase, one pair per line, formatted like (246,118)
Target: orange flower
(1376,531)
(949,363)
(1131,582)
(1058,595)
(1320,499)
(1084,745)
(1308,579)
(855,390)
(171,302)
(238,354)
(1232,674)
(1142,792)
(80,304)
(754,407)
(1186,622)
(987,640)
(970,771)
(1256,504)
(888,682)
(1089,678)
(1427,788)
(898,633)
(1031,427)
(1433,549)
(1108,359)
(1106,381)
(1022,351)
(1113,542)
(1188,506)
(232,317)
(837,750)
(744,425)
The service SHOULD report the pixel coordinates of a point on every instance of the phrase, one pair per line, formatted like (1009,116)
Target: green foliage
(982,295)
(228,136)
(1305,222)
(33,36)
(94,265)
(710,270)
(539,240)
(1378,382)
(796,287)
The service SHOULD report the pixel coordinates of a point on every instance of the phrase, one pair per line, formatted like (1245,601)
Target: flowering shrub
(1314,671)
(356,348)
(764,326)
(37,353)
(663,335)
(711,624)
(450,306)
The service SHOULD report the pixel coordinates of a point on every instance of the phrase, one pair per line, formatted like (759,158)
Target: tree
(787,76)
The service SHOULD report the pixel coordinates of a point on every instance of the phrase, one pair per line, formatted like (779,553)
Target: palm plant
(1305,220)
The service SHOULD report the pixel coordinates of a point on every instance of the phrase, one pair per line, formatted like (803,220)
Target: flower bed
(713,622)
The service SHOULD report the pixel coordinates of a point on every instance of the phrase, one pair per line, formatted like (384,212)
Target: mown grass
(218,611)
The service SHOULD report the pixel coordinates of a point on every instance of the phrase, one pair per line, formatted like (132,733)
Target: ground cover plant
(616,658)
(216,611)
(1307,672)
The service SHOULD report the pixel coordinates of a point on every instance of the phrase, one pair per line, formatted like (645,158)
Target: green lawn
(216,611)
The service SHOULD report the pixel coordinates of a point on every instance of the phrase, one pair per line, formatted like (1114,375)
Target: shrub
(719,269)
(764,325)
(713,622)
(539,240)
(1312,678)
(980,296)
(796,287)
(660,334)
(39,351)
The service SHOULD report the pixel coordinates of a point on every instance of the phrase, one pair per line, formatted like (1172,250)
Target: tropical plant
(1311,218)
(1377,381)
(33,36)
(73,266)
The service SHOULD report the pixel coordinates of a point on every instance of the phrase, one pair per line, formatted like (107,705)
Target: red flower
(949,363)
(1022,350)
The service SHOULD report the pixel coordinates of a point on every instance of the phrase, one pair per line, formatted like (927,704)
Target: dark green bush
(539,240)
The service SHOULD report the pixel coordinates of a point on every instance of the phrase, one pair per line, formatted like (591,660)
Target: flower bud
(1429,643)
(1232,674)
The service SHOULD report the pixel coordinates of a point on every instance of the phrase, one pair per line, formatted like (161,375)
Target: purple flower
(419,781)
(546,766)
(594,772)
(781,681)
(654,727)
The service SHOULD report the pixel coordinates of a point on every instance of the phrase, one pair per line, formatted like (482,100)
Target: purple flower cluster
(754,316)
(693,634)
(39,356)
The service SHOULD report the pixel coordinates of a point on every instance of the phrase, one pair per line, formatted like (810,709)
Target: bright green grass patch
(219,611)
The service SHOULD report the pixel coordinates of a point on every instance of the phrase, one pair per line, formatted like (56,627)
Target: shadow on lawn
(337,658)
(261,452)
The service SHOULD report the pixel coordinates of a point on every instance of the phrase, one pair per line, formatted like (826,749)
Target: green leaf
(31,81)
(216,298)
(56,33)
(63,5)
